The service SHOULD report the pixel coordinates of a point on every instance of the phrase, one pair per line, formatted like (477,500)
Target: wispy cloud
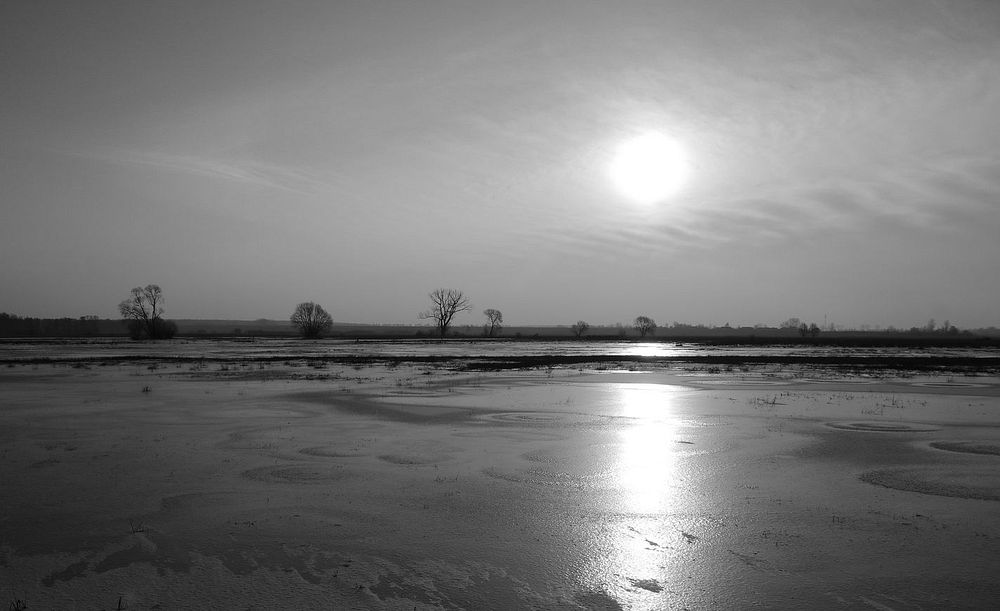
(934,198)
(243,171)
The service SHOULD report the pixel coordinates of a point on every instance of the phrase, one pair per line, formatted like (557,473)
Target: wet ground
(270,485)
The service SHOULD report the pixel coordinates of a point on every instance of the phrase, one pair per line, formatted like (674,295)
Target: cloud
(242,171)
(936,199)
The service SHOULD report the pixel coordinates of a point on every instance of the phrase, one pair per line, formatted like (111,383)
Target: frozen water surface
(296,348)
(275,485)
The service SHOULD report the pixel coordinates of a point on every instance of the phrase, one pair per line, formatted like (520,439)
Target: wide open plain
(288,484)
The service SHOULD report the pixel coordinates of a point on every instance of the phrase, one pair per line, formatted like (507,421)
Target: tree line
(142,314)
(12,325)
(313,321)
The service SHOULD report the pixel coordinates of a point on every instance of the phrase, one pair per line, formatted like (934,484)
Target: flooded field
(271,349)
(273,475)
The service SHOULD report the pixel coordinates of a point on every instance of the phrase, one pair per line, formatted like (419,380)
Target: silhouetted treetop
(445,304)
(311,320)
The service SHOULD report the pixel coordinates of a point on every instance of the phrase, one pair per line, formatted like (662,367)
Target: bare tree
(311,319)
(445,303)
(144,312)
(579,328)
(495,319)
(644,325)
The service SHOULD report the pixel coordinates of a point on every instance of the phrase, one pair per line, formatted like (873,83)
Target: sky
(841,159)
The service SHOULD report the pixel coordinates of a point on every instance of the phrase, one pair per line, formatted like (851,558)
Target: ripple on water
(950,385)
(543,418)
(958,481)
(414,459)
(297,474)
(540,477)
(884,427)
(331,452)
(968,447)
(742,382)
(541,456)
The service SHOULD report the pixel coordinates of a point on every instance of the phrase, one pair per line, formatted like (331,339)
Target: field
(261,482)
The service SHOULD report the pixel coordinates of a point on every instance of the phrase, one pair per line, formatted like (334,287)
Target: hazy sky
(843,158)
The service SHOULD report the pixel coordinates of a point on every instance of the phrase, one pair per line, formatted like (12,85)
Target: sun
(649,168)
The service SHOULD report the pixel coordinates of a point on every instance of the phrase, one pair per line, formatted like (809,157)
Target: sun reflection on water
(647,464)
(652,349)
(636,555)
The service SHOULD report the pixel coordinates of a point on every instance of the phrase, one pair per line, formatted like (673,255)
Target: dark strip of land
(979,364)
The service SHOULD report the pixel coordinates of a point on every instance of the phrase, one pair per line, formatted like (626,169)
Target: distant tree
(165,329)
(791,323)
(495,319)
(88,325)
(813,329)
(930,326)
(579,328)
(803,329)
(445,304)
(644,325)
(143,313)
(311,319)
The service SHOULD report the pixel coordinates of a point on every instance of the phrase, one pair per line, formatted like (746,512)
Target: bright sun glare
(649,168)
